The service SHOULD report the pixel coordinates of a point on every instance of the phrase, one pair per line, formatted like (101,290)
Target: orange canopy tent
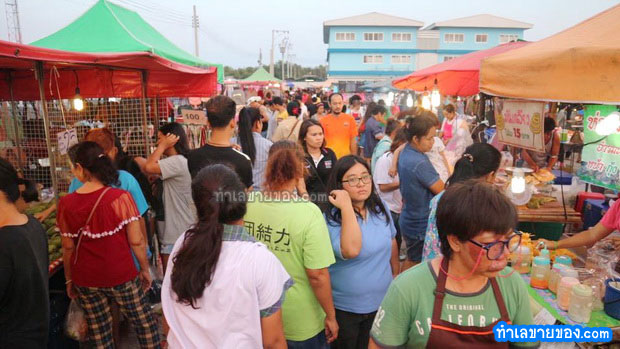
(580,65)
(456,77)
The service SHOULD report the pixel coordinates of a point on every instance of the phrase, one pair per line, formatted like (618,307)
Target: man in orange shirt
(340,128)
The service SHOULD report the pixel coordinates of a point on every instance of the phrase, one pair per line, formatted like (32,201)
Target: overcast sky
(233,31)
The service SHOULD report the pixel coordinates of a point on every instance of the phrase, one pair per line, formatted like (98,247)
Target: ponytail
(247,117)
(479,160)
(92,158)
(219,196)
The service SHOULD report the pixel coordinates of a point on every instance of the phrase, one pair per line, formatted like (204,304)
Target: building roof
(481,21)
(372,19)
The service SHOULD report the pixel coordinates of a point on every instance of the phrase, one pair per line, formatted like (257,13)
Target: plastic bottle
(580,307)
(569,272)
(555,276)
(540,272)
(566,260)
(565,291)
(521,259)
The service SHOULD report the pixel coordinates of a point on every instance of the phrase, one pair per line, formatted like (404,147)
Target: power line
(154,11)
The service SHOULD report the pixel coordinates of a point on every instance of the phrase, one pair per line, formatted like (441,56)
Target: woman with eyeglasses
(363,239)
(455,300)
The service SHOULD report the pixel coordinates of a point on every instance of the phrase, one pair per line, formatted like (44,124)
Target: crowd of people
(284,230)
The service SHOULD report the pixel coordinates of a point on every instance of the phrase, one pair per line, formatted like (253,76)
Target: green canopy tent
(107,28)
(259,77)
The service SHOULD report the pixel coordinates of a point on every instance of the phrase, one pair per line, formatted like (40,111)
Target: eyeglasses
(496,249)
(355,181)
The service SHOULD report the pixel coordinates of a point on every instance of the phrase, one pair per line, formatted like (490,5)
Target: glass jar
(565,290)
(580,307)
(521,259)
(555,276)
(540,273)
(598,292)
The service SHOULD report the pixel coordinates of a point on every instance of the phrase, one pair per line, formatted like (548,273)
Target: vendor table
(551,212)
(547,300)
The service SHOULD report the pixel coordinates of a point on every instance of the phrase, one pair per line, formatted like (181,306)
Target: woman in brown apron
(476,227)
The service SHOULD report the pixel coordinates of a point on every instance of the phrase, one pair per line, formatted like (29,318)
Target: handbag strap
(90,216)
(293,129)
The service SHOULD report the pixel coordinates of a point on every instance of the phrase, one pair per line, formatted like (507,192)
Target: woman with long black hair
(99,226)
(319,160)
(179,211)
(363,239)
(223,289)
(253,144)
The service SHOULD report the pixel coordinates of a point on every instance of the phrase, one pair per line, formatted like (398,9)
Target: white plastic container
(580,307)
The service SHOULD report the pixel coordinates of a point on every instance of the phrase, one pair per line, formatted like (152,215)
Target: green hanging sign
(600,161)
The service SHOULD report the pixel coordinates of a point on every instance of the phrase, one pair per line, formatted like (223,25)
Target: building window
(504,38)
(482,38)
(401,59)
(373,59)
(373,36)
(447,58)
(401,37)
(345,36)
(452,38)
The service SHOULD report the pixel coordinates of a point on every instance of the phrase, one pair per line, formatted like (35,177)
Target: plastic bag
(76,326)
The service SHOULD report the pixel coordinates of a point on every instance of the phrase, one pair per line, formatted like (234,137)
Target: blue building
(377,46)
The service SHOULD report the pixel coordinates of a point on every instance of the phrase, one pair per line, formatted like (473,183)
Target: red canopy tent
(98,75)
(456,77)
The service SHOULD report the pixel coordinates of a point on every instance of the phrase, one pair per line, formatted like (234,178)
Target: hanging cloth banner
(520,123)
(600,161)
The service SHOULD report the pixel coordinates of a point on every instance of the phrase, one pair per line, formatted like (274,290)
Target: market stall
(578,66)
(110,28)
(456,77)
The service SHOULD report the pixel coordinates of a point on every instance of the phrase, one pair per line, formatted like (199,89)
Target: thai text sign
(520,123)
(600,161)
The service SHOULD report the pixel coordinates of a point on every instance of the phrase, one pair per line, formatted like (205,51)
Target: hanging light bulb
(426,102)
(517,183)
(390,98)
(609,125)
(435,97)
(409,101)
(78,102)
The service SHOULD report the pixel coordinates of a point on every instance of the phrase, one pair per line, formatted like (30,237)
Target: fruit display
(543,175)
(54,247)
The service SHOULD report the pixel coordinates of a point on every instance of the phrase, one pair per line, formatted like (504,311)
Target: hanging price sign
(196,117)
(520,123)
(65,140)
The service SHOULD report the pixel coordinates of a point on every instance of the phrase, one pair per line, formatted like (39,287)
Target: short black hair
(9,182)
(220,110)
(469,208)
(334,94)
(354,98)
(550,124)
(420,125)
(449,108)
(379,109)
(391,126)
(278,101)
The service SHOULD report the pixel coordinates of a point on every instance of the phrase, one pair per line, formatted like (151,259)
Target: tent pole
(40,76)
(145,127)
(15,123)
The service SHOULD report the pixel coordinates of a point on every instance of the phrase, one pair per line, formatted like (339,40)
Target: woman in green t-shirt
(456,300)
(293,229)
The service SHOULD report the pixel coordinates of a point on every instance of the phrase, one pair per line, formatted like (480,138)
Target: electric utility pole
(273,40)
(195,25)
(12,21)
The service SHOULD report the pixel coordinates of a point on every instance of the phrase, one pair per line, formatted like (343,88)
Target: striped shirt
(260,164)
